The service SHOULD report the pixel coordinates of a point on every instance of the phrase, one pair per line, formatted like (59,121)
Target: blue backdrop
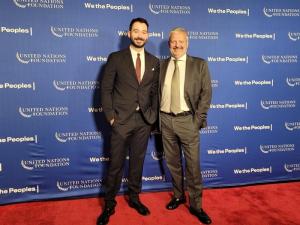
(53,137)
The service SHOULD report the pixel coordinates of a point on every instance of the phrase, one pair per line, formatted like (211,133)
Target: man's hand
(112,121)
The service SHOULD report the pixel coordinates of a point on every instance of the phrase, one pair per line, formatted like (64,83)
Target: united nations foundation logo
(293,81)
(45,163)
(76,85)
(203,35)
(64,137)
(230,106)
(169,9)
(291,126)
(277,104)
(18,86)
(29,112)
(228,59)
(46,4)
(22,139)
(78,184)
(277,148)
(16,30)
(108,6)
(210,130)
(270,12)
(26,58)
(228,11)
(295,167)
(74,32)
(209,174)
(270,59)
(157,155)
(294,36)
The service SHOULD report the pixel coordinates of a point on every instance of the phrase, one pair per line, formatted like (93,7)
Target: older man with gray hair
(185,96)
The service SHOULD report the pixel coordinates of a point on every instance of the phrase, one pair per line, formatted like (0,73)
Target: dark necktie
(138,67)
(175,90)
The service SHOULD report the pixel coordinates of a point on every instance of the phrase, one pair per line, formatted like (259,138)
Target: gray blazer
(197,87)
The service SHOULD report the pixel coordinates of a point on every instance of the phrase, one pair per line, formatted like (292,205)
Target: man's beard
(138,46)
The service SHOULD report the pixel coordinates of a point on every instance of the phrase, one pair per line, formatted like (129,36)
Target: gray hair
(179,29)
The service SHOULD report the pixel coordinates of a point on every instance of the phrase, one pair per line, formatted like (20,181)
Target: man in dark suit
(185,96)
(130,103)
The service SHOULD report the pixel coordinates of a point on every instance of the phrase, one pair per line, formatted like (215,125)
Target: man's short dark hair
(139,19)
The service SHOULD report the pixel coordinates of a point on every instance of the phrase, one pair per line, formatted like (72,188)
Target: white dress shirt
(142,57)
(166,93)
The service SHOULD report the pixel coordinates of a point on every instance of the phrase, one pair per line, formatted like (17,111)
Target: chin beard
(138,46)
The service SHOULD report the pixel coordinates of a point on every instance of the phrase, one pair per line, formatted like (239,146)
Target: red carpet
(269,204)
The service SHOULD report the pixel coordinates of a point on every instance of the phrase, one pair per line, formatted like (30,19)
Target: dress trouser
(182,133)
(132,136)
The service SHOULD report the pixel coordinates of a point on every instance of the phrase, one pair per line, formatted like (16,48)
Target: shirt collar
(182,58)
(133,52)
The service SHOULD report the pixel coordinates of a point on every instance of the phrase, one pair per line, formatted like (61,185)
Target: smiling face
(138,34)
(178,43)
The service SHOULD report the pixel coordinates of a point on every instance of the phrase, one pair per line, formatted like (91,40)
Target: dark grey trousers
(182,134)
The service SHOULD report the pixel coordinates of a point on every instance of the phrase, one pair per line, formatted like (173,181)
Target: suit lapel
(129,62)
(163,71)
(147,66)
(188,74)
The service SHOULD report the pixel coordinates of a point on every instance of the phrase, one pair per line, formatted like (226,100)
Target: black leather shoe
(201,215)
(139,207)
(104,217)
(175,202)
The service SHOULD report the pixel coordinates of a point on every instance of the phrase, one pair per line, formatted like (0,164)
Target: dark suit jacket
(197,86)
(120,91)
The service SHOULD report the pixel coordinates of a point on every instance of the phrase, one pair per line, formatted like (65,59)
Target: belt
(185,113)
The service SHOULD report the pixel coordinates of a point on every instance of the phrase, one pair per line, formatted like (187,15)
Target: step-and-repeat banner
(54,141)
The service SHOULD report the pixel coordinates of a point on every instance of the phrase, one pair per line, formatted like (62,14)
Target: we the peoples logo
(16,30)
